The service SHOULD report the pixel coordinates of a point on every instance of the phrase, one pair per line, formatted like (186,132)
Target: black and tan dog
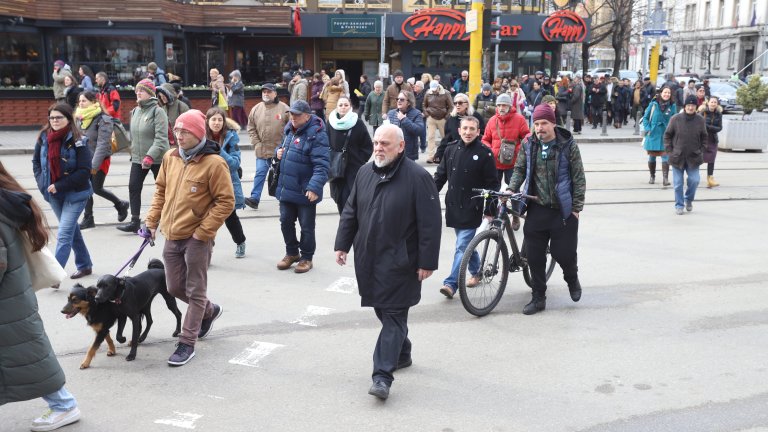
(132,297)
(101,317)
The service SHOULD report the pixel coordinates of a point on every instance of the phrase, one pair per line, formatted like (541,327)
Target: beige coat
(265,127)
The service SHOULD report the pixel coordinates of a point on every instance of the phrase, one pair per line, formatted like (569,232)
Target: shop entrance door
(352,69)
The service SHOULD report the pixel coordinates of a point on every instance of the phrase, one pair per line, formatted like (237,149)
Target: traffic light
(494,28)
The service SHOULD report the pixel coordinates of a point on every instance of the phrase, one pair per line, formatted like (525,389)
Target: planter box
(744,134)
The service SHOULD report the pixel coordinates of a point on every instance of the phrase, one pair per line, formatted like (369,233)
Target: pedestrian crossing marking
(252,355)
(344,285)
(308,318)
(180,419)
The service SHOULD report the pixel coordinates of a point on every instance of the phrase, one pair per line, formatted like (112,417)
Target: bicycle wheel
(550,267)
(480,299)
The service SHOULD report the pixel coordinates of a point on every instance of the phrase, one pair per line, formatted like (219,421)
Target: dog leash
(144,233)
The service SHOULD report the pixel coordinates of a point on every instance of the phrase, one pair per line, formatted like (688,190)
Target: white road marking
(181,420)
(345,285)
(254,353)
(312,311)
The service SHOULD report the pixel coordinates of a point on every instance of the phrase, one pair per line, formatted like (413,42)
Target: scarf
(383,171)
(342,123)
(86,115)
(55,139)
(216,136)
(187,155)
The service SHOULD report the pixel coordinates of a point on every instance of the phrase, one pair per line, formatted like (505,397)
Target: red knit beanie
(148,86)
(544,112)
(193,121)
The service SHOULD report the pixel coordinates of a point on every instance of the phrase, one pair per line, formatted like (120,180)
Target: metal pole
(495,61)
(383,37)
(568,120)
(605,123)
(476,52)
(750,63)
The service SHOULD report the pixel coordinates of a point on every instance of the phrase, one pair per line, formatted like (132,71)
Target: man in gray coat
(577,105)
(393,219)
(684,141)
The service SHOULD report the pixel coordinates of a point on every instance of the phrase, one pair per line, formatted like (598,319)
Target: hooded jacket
(305,162)
(28,366)
(174,108)
(149,132)
(195,197)
(230,152)
(99,134)
(512,126)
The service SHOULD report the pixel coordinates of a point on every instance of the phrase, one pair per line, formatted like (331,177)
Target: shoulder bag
(506,149)
(44,270)
(339,161)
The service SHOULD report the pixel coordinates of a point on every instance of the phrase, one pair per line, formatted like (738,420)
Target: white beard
(384,162)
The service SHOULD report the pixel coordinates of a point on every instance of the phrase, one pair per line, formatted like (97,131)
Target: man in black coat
(467,164)
(685,140)
(599,95)
(392,217)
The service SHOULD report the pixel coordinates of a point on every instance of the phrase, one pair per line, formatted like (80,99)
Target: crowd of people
(513,132)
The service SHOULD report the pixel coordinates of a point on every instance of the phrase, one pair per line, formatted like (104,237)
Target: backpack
(120,138)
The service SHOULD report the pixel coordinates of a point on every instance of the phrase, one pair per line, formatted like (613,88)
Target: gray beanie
(235,73)
(504,99)
(486,87)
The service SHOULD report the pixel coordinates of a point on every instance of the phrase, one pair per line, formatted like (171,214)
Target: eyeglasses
(401,99)
(180,132)
(460,102)
(56,118)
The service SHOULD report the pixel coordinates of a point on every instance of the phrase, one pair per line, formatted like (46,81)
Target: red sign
(445,24)
(564,26)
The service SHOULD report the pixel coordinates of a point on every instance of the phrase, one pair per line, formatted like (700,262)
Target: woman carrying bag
(351,147)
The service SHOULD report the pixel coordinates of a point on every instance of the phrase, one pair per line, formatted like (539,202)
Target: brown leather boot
(665,173)
(303,266)
(711,182)
(287,262)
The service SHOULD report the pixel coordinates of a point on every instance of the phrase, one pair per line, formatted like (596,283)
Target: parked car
(601,71)
(726,94)
(631,75)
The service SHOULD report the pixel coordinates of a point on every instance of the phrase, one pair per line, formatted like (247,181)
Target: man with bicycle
(550,169)
(467,164)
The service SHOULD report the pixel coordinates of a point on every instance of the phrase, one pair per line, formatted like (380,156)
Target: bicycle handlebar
(485,193)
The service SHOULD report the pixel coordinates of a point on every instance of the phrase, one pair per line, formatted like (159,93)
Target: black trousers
(577,125)
(393,345)
(544,225)
(136,184)
(235,227)
(97,180)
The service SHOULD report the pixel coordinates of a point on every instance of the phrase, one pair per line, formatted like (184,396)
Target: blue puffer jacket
(231,154)
(412,126)
(75,182)
(305,162)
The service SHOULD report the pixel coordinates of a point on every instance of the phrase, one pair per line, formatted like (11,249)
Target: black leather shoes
(122,210)
(534,306)
(380,389)
(87,222)
(252,203)
(130,227)
(402,364)
(81,273)
(575,289)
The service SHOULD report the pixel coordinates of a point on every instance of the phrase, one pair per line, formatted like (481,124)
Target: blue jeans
(60,400)
(262,167)
(69,237)
(463,237)
(289,213)
(677,183)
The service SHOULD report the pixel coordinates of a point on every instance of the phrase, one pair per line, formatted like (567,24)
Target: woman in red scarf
(62,167)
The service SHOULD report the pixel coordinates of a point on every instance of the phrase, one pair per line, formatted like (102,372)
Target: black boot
(536,305)
(132,226)
(652,169)
(87,222)
(574,287)
(665,173)
(122,210)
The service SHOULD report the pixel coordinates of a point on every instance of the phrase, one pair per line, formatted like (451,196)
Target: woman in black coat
(713,116)
(346,129)
(461,108)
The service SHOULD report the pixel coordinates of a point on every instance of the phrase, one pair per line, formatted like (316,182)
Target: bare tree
(621,28)
(598,32)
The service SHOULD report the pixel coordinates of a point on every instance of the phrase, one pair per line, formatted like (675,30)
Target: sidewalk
(23,141)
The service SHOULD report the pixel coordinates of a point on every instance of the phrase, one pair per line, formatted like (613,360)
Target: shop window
(20,59)
(267,65)
(123,58)
(174,56)
(440,59)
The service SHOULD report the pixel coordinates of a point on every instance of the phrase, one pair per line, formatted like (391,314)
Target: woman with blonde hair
(713,117)
(518,96)
(426,79)
(332,92)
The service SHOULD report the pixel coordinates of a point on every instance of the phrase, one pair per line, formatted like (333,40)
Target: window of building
(20,59)
(440,59)
(261,65)
(707,14)
(704,55)
(716,61)
(174,56)
(694,17)
(123,58)
(736,12)
(732,56)
(765,57)
(721,15)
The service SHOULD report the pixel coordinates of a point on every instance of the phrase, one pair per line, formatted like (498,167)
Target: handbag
(339,161)
(273,176)
(44,270)
(222,103)
(506,149)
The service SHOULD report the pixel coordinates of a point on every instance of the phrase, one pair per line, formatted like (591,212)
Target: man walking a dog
(193,197)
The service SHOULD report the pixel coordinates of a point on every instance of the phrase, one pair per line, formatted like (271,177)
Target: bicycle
(495,263)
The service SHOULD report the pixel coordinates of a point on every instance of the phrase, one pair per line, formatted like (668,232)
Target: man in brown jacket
(437,105)
(265,127)
(394,89)
(194,195)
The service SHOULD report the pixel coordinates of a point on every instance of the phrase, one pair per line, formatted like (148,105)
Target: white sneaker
(53,420)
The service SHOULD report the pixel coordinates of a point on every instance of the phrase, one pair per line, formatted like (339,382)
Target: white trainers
(53,420)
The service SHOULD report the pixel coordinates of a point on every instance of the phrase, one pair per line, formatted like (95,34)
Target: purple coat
(314,101)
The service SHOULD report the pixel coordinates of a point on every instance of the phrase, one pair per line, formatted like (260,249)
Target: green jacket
(149,132)
(28,365)
(372,112)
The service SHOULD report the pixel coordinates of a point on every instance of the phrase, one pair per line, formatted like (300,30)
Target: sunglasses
(459,102)
(401,99)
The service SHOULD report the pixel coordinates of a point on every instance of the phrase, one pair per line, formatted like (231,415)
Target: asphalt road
(670,334)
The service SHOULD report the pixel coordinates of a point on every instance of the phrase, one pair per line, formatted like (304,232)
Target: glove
(147,162)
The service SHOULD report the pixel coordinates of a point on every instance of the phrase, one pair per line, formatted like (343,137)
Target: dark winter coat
(305,162)
(599,95)
(75,160)
(577,102)
(452,124)
(714,122)
(99,135)
(372,112)
(465,167)
(315,102)
(393,218)
(359,151)
(485,105)
(685,140)
(28,365)
(412,126)
(563,100)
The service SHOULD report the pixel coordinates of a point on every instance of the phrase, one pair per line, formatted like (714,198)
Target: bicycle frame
(502,224)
